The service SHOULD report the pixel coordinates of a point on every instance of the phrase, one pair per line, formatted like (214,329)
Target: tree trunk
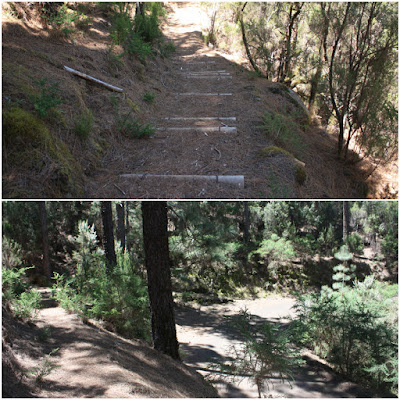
(155,237)
(246,222)
(346,219)
(294,12)
(246,45)
(45,240)
(120,208)
(108,235)
(127,226)
(336,108)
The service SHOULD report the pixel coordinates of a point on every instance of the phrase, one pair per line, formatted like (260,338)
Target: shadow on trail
(208,332)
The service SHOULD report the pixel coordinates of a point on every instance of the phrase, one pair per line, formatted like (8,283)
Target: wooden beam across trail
(235,180)
(200,118)
(223,129)
(203,94)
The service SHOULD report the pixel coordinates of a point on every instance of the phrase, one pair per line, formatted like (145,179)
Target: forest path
(93,362)
(204,334)
(205,121)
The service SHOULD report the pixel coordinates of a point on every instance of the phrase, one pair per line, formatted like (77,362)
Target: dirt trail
(92,362)
(206,117)
(204,335)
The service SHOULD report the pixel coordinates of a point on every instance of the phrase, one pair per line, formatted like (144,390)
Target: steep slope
(87,362)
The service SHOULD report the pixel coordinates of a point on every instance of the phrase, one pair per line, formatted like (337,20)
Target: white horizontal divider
(235,180)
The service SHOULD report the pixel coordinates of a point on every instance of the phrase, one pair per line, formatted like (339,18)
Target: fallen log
(90,78)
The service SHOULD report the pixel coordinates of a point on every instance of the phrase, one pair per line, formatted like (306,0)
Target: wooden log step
(207,73)
(223,129)
(207,76)
(235,180)
(220,71)
(200,118)
(199,62)
(203,94)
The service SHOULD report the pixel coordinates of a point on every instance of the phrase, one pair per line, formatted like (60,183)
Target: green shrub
(121,27)
(355,243)
(44,333)
(47,99)
(343,273)
(118,298)
(64,18)
(45,367)
(147,25)
(27,304)
(134,129)
(131,127)
(149,97)
(166,49)
(285,130)
(351,329)
(13,284)
(83,124)
(265,350)
(12,253)
(136,46)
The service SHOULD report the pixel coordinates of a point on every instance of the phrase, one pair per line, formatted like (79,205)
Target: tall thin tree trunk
(339,113)
(246,45)
(346,220)
(108,235)
(45,240)
(155,237)
(246,222)
(127,226)
(120,208)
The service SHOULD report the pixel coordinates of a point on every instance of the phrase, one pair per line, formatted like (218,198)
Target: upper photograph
(193,100)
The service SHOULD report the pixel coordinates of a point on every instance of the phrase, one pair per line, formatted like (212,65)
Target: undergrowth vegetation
(354,326)
(266,353)
(119,298)
(23,300)
(45,109)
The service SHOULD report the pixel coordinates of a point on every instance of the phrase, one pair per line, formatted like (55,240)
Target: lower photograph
(192,299)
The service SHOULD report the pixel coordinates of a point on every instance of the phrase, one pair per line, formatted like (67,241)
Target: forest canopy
(214,246)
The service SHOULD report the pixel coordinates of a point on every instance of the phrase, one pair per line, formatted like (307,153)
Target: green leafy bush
(284,129)
(130,127)
(121,26)
(45,367)
(147,25)
(166,49)
(83,124)
(118,298)
(12,253)
(343,273)
(351,329)
(136,46)
(27,304)
(13,284)
(64,18)
(355,243)
(277,248)
(48,97)
(266,350)
(149,97)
